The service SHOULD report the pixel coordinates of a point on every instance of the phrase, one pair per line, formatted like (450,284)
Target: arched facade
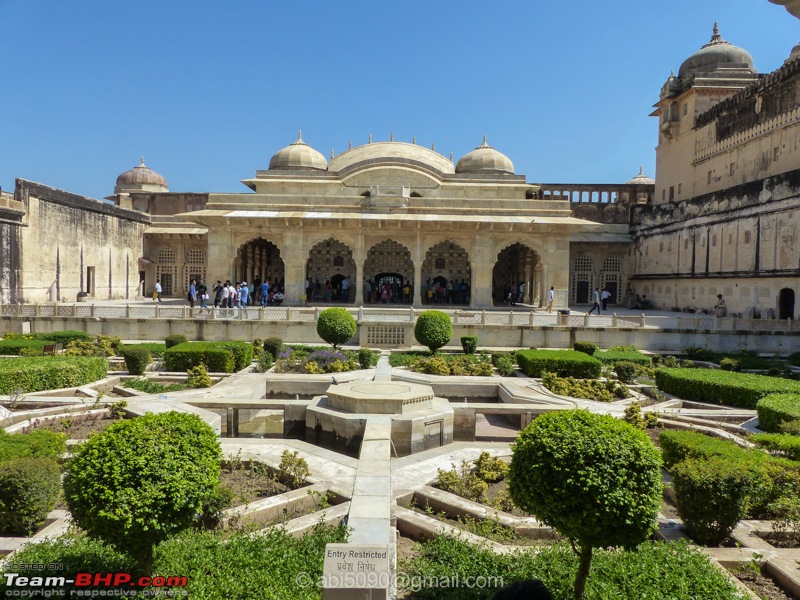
(388,268)
(257,260)
(330,261)
(447,274)
(514,276)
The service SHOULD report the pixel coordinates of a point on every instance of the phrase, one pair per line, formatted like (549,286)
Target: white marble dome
(641,179)
(716,54)
(298,156)
(140,178)
(485,159)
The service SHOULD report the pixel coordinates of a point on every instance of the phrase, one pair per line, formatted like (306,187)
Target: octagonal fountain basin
(419,419)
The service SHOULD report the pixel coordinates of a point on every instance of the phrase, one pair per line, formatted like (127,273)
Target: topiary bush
(156,349)
(469,344)
(28,491)
(365,358)
(586,347)
(242,353)
(612,357)
(626,371)
(534,363)
(22,347)
(433,329)
(174,340)
(99,345)
(64,337)
(273,345)
(136,359)
(214,355)
(142,480)
(776,409)
(42,443)
(336,326)
(712,495)
(594,478)
(35,374)
(197,377)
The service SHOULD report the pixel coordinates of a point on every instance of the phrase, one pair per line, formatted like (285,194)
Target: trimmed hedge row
(678,445)
(22,346)
(610,357)
(156,349)
(743,390)
(562,362)
(218,357)
(778,444)
(40,443)
(29,489)
(775,409)
(35,374)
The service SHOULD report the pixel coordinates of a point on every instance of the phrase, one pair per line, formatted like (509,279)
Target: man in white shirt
(604,298)
(551,296)
(157,292)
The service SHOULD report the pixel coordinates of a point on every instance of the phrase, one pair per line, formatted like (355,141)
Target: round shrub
(28,491)
(365,358)
(273,345)
(594,478)
(712,495)
(469,344)
(336,326)
(174,340)
(136,359)
(586,347)
(626,371)
(141,480)
(433,329)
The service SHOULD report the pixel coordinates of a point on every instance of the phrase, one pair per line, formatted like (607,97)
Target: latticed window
(167,255)
(440,263)
(196,256)
(584,263)
(612,264)
(338,261)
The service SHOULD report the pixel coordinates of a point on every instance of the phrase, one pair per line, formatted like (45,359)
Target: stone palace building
(720,217)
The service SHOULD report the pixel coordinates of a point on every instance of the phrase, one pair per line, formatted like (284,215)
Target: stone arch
(446,264)
(330,260)
(389,263)
(516,264)
(260,259)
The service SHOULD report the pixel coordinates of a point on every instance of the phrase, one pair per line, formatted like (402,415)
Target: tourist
(251,293)
(192,295)
(367,291)
(264,291)
(219,293)
(719,307)
(521,293)
(629,299)
(551,296)
(328,290)
(244,296)
(202,293)
(309,288)
(278,298)
(407,293)
(157,291)
(595,301)
(317,290)
(345,289)
(604,298)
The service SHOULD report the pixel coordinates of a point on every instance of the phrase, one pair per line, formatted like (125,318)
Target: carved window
(167,255)
(612,264)
(338,261)
(440,264)
(584,263)
(196,256)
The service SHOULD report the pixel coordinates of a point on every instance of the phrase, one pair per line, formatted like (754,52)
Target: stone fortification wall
(73,244)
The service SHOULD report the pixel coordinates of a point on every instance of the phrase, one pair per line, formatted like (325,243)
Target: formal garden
(646,478)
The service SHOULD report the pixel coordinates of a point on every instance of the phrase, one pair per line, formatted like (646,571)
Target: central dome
(392,153)
(716,54)
(485,159)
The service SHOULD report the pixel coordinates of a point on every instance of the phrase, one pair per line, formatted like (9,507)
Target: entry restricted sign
(353,572)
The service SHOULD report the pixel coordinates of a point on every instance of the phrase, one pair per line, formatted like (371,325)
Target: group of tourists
(598,298)
(438,292)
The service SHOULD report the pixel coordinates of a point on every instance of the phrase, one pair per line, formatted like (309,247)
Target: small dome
(716,54)
(140,178)
(485,159)
(298,156)
(641,179)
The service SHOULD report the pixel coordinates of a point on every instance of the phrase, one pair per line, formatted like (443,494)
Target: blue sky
(207,92)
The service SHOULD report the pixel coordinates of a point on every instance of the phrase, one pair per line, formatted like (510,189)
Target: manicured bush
(712,495)
(589,389)
(175,340)
(42,443)
(594,478)
(273,345)
(136,359)
(142,480)
(433,329)
(365,358)
(678,445)
(18,347)
(242,353)
(490,468)
(586,347)
(612,357)
(336,326)
(625,370)
(34,374)
(504,365)
(28,491)
(214,355)
(778,444)
(743,390)
(64,337)
(454,364)
(730,364)
(534,363)
(197,377)
(156,349)
(777,409)
(99,345)
(469,344)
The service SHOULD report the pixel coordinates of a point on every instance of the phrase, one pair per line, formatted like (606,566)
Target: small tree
(142,480)
(595,479)
(433,329)
(336,326)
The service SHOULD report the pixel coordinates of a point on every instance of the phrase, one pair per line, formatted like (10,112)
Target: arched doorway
(446,272)
(582,279)
(611,278)
(786,303)
(389,267)
(259,260)
(331,260)
(515,265)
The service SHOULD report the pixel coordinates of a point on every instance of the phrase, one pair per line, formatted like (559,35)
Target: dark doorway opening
(389,287)
(582,292)
(786,303)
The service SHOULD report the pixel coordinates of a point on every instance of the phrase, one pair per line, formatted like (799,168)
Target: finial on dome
(350,145)
(641,171)
(414,140)
(716,38)
(451,156)
(299,135)
(370,138)
(141,164)
(333,154)
(433,146)
(716,28)
(484,140)
(392,138)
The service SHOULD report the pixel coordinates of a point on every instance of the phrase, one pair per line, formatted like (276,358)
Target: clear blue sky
(208,91)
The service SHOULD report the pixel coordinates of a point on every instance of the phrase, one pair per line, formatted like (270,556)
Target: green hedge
(586,347)
(20,346)
(64,337)
(136,359)
(213,355)
(28,491)
(156,349)
(778,444)
(777,408)
(242,353)
(562,362)
(743,390)
(38,373)
(678,445)
(610,357)
(40,443)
